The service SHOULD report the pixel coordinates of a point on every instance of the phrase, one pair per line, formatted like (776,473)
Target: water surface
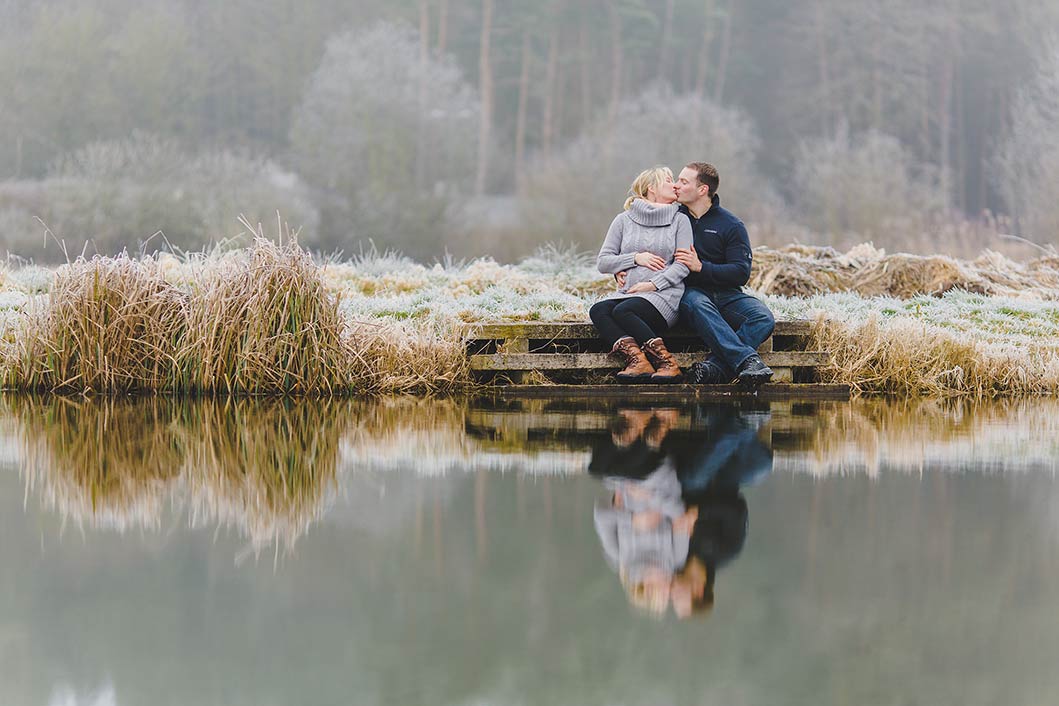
(410,552)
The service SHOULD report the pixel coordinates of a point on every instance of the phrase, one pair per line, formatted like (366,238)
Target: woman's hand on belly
(650,261)
(642,287)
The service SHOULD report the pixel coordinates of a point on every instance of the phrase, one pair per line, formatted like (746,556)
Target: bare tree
(1027,163)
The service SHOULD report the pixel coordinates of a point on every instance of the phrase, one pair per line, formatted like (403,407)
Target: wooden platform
(674,393)
(577,423)
(572,353)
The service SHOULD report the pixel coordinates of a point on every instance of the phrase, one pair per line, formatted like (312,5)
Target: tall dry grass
(911,357)
(261,321)
(264,324)
(111,324)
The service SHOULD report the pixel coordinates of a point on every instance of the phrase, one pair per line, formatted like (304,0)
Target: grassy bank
(268,319)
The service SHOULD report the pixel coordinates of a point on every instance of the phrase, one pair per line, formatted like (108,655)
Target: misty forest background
(490,127)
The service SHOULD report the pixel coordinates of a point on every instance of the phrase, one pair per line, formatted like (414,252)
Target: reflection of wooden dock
(539,423)
(676,393)
(573,353)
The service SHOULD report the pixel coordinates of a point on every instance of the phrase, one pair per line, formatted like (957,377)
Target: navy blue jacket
(723,246)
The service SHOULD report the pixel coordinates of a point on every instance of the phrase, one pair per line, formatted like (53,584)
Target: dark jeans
(731,323)
(634,316)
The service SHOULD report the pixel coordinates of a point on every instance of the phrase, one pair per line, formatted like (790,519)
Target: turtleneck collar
(649,214)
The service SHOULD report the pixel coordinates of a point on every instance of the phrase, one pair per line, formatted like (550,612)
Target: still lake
(476,552)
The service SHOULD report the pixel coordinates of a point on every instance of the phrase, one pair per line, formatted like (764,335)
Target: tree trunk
(520,118)
(961,145)
(616,56)
(722,61)
(704,52)
(585,51)
(823,67)
(665,50)
(443,26)
(944,120)
(485,81)
(550,72)
(424,58)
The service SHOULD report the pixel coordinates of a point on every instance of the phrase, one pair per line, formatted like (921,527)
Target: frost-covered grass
(406,319)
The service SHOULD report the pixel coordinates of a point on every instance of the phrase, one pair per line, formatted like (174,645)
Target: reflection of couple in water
(675,513)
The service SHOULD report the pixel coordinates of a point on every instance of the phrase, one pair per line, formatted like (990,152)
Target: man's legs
(700,311)
(748,316)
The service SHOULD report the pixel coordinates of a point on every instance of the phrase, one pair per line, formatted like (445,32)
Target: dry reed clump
(109,324)
(102,463)
(799,270)
(267,467)
(907,356)
(264,324)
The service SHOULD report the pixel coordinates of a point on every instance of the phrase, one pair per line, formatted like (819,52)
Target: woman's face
(665,193)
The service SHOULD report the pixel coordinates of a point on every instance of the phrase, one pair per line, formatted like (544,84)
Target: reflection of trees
(265,467)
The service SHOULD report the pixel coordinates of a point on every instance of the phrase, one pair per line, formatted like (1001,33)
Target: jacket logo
(710,231)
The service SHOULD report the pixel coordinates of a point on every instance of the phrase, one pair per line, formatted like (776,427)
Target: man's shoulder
(728,217)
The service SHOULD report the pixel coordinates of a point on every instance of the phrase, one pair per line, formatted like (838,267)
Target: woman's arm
(610,260)
(676,272)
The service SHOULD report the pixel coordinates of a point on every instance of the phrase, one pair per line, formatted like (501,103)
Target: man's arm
(735,271)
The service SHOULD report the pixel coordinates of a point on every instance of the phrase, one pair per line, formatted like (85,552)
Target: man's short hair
(707,174)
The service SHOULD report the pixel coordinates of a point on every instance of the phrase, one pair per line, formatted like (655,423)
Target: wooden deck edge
(603,361)
(576,330)
(773,391)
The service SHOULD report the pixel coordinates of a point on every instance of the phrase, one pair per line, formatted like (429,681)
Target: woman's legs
(625,324)
(602,315)
(639,318)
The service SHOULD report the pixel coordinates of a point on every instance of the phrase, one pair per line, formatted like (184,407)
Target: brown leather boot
(636,365)
(664,362)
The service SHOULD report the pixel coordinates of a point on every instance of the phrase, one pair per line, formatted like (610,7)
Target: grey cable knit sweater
(653,228)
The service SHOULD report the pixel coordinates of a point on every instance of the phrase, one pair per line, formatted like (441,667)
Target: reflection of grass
(910,434)
(265,467)
(102,462)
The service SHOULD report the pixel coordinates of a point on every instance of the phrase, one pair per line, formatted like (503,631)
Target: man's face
(688,187)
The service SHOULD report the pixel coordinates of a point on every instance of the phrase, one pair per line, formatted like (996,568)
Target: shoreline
(268,320)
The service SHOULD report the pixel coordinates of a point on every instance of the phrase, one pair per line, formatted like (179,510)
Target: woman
(641,242)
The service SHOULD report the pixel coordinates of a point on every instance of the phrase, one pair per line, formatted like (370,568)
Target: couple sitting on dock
(676,253)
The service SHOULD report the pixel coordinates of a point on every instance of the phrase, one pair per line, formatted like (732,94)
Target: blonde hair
(653,177)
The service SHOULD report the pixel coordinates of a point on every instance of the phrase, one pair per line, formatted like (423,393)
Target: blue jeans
(731,324)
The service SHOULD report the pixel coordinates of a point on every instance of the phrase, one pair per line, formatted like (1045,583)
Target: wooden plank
(782,374)
(603,361)
(672,392)
(561,330)
(595,421)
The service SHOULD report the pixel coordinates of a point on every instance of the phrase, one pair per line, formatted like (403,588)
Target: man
(731,323)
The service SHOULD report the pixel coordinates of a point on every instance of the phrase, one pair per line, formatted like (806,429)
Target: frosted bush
(405,150)
(1028,160)
(865,186)
(115,195)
